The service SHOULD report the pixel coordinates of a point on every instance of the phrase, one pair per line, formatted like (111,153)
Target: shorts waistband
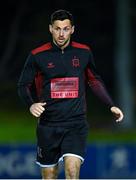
(64,123)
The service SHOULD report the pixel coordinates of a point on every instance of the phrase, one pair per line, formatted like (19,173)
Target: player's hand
(37,109)
(117,113)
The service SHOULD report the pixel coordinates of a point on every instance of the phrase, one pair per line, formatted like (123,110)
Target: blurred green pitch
(19,127)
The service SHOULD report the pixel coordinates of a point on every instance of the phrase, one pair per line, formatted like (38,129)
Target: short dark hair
(62,15)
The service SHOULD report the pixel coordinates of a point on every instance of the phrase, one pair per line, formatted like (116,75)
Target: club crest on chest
(75,62)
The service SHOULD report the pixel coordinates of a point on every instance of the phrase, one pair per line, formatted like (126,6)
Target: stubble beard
(66,42)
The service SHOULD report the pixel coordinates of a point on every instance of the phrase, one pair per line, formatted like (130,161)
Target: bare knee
(50,173)
(71,172)
(72,167)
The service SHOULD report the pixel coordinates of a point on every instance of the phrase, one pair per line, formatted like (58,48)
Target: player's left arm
(99,89)
(117,113)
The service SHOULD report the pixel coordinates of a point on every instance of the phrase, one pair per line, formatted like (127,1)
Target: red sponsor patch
(65,87)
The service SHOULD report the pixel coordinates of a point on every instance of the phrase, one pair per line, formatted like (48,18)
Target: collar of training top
(57,48)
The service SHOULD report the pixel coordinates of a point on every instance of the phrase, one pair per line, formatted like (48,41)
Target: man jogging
(52,84)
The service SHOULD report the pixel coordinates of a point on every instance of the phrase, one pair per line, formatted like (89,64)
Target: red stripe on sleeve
(79,45)
(39,84)
(44,47)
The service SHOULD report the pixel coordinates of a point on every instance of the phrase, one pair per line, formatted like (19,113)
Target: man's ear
(73,29)
(50,28)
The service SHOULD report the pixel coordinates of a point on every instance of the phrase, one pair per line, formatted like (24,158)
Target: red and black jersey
(58,78)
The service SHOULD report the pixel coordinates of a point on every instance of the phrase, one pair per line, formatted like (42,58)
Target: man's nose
(61,32)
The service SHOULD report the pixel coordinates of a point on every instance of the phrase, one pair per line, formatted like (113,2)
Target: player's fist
(37,109)
(117,113)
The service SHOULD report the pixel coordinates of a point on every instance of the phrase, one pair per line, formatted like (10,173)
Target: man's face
(61,32)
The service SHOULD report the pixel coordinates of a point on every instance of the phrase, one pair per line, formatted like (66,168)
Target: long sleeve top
(58,77)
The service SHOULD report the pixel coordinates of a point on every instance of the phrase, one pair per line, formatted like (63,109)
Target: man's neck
(64,46)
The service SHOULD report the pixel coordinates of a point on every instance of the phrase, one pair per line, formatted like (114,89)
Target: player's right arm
(26,81)
(26,88)
(37,109)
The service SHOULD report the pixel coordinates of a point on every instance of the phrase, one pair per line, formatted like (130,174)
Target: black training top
(58,78)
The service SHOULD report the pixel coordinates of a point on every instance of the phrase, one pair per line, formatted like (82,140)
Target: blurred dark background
(108,27)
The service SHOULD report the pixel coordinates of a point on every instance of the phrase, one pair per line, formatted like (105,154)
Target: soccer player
(52,84)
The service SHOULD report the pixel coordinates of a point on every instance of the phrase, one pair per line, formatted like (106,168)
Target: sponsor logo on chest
(50,65)
(75,63)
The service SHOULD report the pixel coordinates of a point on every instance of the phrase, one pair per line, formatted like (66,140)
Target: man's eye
(56,29)
(66,29)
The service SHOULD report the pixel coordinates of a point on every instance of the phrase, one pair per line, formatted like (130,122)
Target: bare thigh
(50,173)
